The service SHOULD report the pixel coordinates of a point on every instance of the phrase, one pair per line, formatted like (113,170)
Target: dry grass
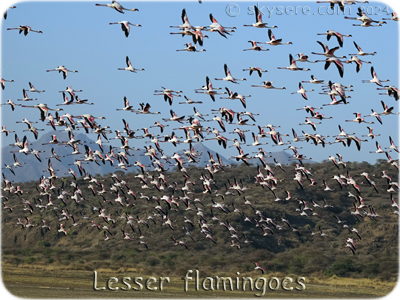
(58,276)
(351,282)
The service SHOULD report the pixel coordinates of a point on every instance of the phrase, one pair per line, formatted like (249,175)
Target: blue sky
(78,35)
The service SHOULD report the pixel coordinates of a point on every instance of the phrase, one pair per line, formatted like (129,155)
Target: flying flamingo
(185,21)
(361,52)
(336,61)
(43,110)
(234,96)
(11,103)
(392,145)
(25,29)
(118,7)
(268,85)
(6,131)
(257,69)
(302,91)
(375,78)
(363,17)
(3,81)
(63,70)
(255,47)
(259,23)
(26,98)
(304,58)
(259,268)
(293,66)
(314,80)
(229,76)
(394,17)
(339,37)
(32,89)
(125,26)
(129,66)
(215,26)
(327,52)
(190,101)
(127,106)
(191,48)
(358,62)
(273,41)
(3,8)
(209,90)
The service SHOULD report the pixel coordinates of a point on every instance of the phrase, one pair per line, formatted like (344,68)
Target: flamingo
(332,3)
(273,41)
(71,91)
(32,89)
(379,149)
(118,7)
(371,133)
(185,21)
(339,37)
(375,114)
(229,76)
(191,48)
(6,131)
(293,66)
(145,109)
(130,67)
(11,103)
(363,17)
(25,29)
(361,52)
(168,94)
(197,35)
(308,122)
(336,61)
(302,91)
(255,47)
(190,101)
(43,110)
(259,268)
(61,229)
(387,110)
(391,91)
(327,52)
(125,26)
(216,27)
(63,70)
(358,62)
(234,96)
(259,23)
(268,85)
(257,69)
(394,17)
(304,58)
(3,82)
(3,8)
(26,98)
(209,90)
(359,119)
(314,80)
(375,78)
(127,106)
(369,24)
(392,145)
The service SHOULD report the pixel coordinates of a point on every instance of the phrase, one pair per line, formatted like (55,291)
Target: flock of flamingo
(209,204)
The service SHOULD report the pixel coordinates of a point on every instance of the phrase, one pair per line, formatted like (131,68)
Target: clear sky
(78,35)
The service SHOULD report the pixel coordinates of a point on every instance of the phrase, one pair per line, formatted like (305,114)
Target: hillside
(276,248)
